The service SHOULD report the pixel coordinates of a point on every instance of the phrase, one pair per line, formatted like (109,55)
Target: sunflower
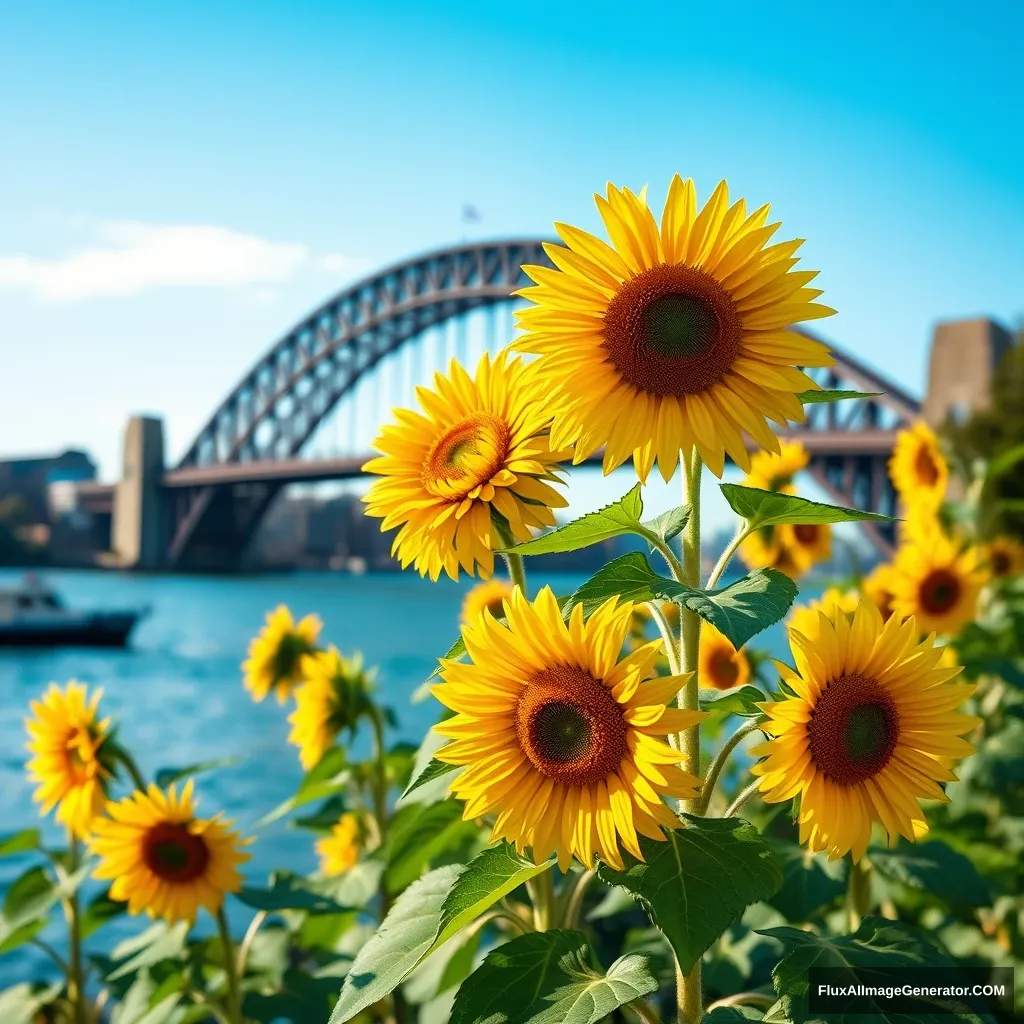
(918,468)
(805,617)
(879,587)
(871,729)
(773,548)
(771,472)
(339,851)
(938,583)
(559,736)
(70,762)
(164,860)
(1004,558)
(809,542)
(719,664)
(672,337)
(481,451)
(334,696)
(276,652)
(490,594)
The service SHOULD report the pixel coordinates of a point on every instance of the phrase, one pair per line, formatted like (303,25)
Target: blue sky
(180,183)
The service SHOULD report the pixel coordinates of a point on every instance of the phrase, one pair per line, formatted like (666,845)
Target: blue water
(177,694)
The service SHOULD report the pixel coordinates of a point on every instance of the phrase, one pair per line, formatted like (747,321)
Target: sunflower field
(626,811)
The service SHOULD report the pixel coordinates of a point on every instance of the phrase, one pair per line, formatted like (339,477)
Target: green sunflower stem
(688,986)
(542,896)
(132,768)
(743,531)
(721,758)
(516,566)
(72,911)
(230,968)
(380,784)
(858,893)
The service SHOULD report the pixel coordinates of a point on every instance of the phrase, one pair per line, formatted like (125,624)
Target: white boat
(33,615)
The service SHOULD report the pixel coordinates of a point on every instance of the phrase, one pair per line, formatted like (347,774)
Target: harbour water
(177,696)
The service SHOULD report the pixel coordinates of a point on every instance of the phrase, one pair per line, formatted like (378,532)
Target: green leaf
(160,942)
(731,1015)
(878,944)
(669,524)
(290,892)
(740,610)
(772,508)
(12,938)
(487,878)
(398,945)
(21,1003)
(434,769)
(26,841)
(936,868)
(324,780)
(29,900)
(1005,461)
(419,832)
(825,395)
(549,978)
(100,910)
(810,882)
(167,776)
(694,885)
(741,702)
(325,817)
(622,516)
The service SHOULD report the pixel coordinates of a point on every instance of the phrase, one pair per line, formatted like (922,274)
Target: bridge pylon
(139,523)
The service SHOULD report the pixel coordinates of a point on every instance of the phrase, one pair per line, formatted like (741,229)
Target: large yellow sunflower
(1004,558)
(276,653)
(480,450)
(918,468)
(162,859)
(771,472)
(334,696)
(340,850)
(559,736)
(937,582)
(69,761)
(719,665)
(872,728)
(805,617)
(673,336)
(490,594)
(879,587)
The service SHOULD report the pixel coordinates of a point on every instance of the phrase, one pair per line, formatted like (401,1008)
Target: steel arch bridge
(249,449)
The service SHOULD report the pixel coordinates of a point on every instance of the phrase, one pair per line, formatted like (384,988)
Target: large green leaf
(159,942)
(740,610)
(878,945)
(99,911)
(826,395)
(328,777)
(936,868)
(549,978)
(434,769)
(773,508)
(398,945)
(29,900)
(622,516)
(669,524)
(166,776)
(741,702)
(694,885)
(810,882)
(26,841)
(489,876)
(291,892)
(418,833)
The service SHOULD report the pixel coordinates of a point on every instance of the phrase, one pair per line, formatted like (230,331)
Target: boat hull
(93,631)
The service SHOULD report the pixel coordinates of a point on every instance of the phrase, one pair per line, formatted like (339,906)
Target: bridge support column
(138,526)
(964,357)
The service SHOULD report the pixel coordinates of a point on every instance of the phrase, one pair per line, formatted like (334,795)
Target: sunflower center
(806,534)
(466,456)
(724,670)
(925,468)
(570,726)
(1001,564)
(853,729)
(672,330)
(939,591)
(174,854)
(290,648)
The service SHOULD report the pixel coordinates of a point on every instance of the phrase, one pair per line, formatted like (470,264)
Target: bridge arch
(279,403)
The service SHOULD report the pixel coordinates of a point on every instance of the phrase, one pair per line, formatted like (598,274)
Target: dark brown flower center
(724,670)
(807,534)
(1001,564)
(672,330)
(466,455)
(570,726)
(174,854)
(853,729)
(925,468)
(939,591)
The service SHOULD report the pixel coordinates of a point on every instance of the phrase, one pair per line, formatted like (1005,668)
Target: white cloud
(132,257)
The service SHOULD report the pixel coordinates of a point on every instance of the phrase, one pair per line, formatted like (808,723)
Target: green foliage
(26,841)
(742,701)
(694,885)
(810,882)
(549,978)
(290,892)
(434,769)
(418,834)
(325,779)
(167,776)
(773,508)
(669,524)
(933,867)
(740,610)
(826,395)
